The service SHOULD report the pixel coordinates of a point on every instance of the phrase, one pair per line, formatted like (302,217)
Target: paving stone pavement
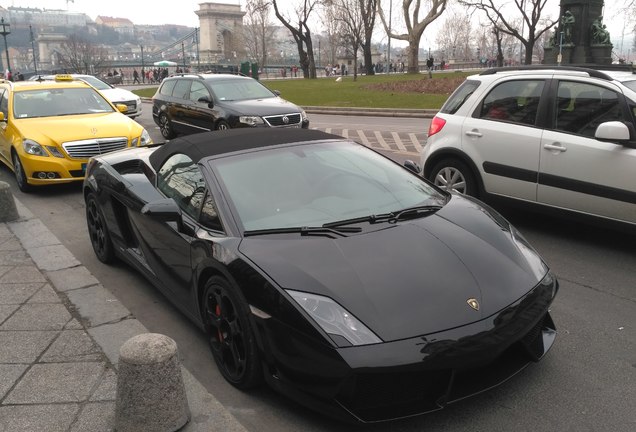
(60,333)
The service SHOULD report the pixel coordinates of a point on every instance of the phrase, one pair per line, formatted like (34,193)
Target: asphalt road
(586,383)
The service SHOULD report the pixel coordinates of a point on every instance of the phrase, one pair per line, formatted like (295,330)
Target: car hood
(262,107)
(119,95)
(411,278)
(50,130)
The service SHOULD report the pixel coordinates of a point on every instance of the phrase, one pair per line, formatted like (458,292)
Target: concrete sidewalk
(60,334)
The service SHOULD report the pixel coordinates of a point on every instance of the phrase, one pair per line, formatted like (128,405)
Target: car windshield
(313,185)
(240,89)
(58,102)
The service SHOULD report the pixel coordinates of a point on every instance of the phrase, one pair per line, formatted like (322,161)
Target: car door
(579,172)
(202,116)
(503,137)
(166,246)
(5,140)
(181,109)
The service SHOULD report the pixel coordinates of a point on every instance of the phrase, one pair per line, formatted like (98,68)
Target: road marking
(363,138)
(328,130)
(383,144)
(416,143)
(345,133)
(398,141)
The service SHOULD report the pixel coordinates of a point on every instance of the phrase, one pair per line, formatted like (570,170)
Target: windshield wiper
(414,212)
(370,219)
(303,231)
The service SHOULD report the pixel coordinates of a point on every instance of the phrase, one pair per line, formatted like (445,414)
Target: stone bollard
(150,392)
(8,210)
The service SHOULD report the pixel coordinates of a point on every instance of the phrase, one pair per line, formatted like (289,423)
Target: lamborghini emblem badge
(473,303)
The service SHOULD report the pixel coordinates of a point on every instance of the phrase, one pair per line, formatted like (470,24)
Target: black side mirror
(166,210)
(412,166)
(206,100)
(276,92)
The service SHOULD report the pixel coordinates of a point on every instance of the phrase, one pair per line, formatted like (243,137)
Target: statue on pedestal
(567,25)
(600,35)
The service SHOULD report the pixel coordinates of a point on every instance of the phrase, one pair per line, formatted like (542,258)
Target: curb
(108,322)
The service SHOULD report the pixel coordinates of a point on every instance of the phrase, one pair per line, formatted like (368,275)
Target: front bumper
(413,376)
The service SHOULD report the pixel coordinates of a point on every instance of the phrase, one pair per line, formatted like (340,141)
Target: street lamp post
(183,56)
(143,72)
(35,62)
(5,30)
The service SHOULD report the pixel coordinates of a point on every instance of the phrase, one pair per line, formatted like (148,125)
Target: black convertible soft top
(198,146)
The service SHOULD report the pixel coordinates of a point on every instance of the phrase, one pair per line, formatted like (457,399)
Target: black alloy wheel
(20,175)
(454,175)
(230,334)
(165,127)
(222,125)
(98,231)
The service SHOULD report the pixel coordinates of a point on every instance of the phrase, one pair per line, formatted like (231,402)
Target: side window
(180,178)
(209,216)
(198,90)
(513,101)
(459,96)
(182,89)
(167,87)
(581,107)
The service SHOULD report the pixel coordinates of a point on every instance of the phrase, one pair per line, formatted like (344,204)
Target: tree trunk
(413,56)
(368,60)
(310,57)
(529,48)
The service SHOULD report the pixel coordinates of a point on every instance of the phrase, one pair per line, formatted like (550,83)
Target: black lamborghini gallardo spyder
(339,277)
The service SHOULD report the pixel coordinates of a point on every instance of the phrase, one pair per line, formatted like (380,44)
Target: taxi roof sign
(63,77)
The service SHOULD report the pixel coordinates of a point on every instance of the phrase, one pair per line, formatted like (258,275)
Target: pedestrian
(429,64)
(135,77)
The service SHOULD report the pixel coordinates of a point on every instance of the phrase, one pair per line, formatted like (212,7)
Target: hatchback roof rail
(187,74)
(590,71)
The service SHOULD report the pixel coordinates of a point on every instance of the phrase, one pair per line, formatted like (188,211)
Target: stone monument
(580,36)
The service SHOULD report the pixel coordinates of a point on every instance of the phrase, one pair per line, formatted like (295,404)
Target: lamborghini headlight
(334,319)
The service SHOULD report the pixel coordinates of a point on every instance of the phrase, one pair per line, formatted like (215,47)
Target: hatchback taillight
(436,125)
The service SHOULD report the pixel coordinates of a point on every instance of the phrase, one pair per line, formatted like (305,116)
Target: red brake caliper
(217,311)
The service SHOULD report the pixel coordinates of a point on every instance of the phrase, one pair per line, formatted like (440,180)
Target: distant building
(45,17)
(120,25)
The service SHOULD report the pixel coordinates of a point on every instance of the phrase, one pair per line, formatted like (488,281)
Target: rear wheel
(230,334)
(165,127)
(98,231)
(454,175)
(20,175)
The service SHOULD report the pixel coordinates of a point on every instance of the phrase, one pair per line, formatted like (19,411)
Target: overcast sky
(182,12)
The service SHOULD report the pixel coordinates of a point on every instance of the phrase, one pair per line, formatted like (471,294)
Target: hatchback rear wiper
(303,231)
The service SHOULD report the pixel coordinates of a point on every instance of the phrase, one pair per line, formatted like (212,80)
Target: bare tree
(414,27)
(301,34)
(533,24)
(332,33)
(455,35)
(81,56)
(349,16)
(368,10)
(259,31)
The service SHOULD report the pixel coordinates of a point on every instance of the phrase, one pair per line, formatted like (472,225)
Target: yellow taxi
(49,129)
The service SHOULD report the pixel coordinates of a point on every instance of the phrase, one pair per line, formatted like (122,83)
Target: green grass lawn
(377,91)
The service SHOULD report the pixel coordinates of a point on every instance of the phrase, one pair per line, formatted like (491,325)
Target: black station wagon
(192,103)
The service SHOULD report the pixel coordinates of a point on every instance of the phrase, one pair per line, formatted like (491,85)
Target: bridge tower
(221,33)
